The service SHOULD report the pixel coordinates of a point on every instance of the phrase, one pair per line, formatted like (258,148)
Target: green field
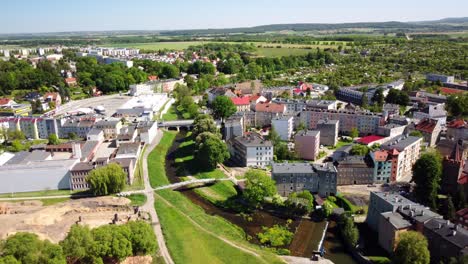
(157,159)
(159,45)
(280,52)
(137,199)
(38,193)
(172,114)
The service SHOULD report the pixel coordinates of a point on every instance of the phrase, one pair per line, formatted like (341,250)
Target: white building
(148,131)
(141,89)
(408,151)
(432,112)
(283,126)
(251,151)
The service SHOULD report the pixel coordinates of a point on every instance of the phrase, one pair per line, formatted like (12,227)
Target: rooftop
(369,139)
(396,220)
(253,140)
(270,107)
(245,100)
(458,124)
(292,168)
(309,133)
(449,231)
(128,148)
(427,125)
(401,142)
(394,199)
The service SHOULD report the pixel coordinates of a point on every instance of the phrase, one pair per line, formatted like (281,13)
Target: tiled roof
(380,155)
(269,107)
(240,100)
(458,123)
(369,139)
(70,80)
(427,125)
(446,90)
(4,101)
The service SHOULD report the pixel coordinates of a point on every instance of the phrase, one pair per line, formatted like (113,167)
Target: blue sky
(19,16)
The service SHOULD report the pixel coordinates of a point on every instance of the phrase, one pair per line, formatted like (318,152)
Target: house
(251,150)
(457,130)
(6,102)
(111,127)
(283,126)
(391,226)
(255,99)
(430,128)
(407,149)
(141,89)
(454,168)
(328,131)
(95,134)
(391,109)
(296,177)
(147,131)
(71,81)
(265,112)
(32,96)
(307,144)
(355,170)
(54,98)
(219,91)
(242,103)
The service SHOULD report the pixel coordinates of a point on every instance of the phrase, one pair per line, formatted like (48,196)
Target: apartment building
(439,77)
(457,130)
(111,127)
(233,127)
(430,128)
(408,150)
(265,112)
(328,131)
(242,103)
(307,144)
(382,166)
(355,170)
(436,112)
(296,177)
(251,150)
(284,126)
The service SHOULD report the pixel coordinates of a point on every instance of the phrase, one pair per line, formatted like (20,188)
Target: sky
(32,16)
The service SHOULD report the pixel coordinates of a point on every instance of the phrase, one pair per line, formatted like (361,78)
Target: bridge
(190,182)
(177,124)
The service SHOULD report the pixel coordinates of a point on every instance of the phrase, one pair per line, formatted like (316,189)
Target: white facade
(284,126)
(433,112)
(140,89)
(147,135)
(259,156)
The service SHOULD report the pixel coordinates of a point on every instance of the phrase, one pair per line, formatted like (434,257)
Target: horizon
(145,15)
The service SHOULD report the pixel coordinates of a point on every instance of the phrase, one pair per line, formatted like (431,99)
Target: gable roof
(270,107)
(4,101)
(245,100)
(426,125)
(458,123)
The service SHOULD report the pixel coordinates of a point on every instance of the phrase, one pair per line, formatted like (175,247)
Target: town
(218,152)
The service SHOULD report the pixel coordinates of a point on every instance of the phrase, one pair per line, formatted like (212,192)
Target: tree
(359,150)
(348,230)
(364,101)
(416,133)
(142,238)
(112,241)
(28,248)
(204,123)
(450,214)
(77,244)
(16,135)
(378,97)
(427,172)
(411,249)
(53,139)
(300,203)
(72,136)
(258,186)
(211,152)
(457,105)
(106,180)
(301,127)
(354,132)
(223,107)
(274,137)
(275,236)
(17,146)
(460,198)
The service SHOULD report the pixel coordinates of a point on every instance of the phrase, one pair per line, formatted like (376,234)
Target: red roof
(426,125)
(53,96)
(269,107)
(380,155)
(4,101)
(305,86)
(446,90)
(369,139)
(245,100)
(394,152)
(458,123)
(70,80)
(463,213)
(297,91)
(152,77)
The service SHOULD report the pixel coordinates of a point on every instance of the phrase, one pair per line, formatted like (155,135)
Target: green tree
(378,97)
(107,179)
(359,150)
(142,238)
(275,236)
(416,133)
(77,244)
(348,230)
(17,146)
(364,101)
(211,152)
(427,173)
(450,215)
(223,107)
(457,105)
(354,132)
(53,139)
(300,203)
(258,186)
(9,260)
(411,249)
(204,123)
(112,241)
(16,135)
(301,127)
(72,136)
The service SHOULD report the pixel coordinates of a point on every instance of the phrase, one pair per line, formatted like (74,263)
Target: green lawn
(280,52)
(157,158)
(38,193)
(340,144)
(137,199)
(158,45)
(172,114)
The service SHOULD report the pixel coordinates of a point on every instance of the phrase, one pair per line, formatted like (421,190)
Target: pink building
(307,144)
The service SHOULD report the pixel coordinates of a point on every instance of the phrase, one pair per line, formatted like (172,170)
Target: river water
(307,232)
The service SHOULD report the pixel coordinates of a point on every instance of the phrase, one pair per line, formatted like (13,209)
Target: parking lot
(109,102)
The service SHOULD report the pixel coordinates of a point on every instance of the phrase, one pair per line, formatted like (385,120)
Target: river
(307,232)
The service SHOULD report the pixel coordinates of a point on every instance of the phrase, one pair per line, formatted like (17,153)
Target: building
(292,105)
(219,91)
(128,150)
(446,240)
(432,112)
(398,85)
(391,225)
(328,131)
(242,103)
(141,89)
(15,110)
(454,168)
(307,144)
(355,170)
(296,177)
(233,127)
(408,151)
(430,129)
(382,202)
(457,130)
(251,150)
(365,122)
(111,127)
(71,81)
(439,77)
(391,109)
(28,125)
(352,95)
(77,126)
(461,218)
(95,134)
(147,131)
(265,112)
(53,98)
(6,102)
(391,130)
(382,166)
(283,126)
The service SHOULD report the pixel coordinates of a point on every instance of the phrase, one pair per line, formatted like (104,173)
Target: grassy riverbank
(157,159)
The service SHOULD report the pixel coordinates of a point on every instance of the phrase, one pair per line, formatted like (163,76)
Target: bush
(275,236)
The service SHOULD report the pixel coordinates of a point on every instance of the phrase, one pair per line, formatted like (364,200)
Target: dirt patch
(53,222)
(138,260)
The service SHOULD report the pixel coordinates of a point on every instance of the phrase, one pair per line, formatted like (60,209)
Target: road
(149,205)
(109,102)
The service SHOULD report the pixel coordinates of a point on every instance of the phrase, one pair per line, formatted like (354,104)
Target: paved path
(149,205)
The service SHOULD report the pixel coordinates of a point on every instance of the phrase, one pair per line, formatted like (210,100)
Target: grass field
(157,159)
(137,199)
(280,52)
(159,45)
(38,193)
(172,114)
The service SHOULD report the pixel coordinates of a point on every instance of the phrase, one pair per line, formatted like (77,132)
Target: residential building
(391,130)
(128,150)
(454,171)
(256,99)
(408,151)
(47,126)
(233,127)
(432,112)
(127,134)
(341,153)
(328,131)
(54,98)
(272,92)
(265,112)
(28,125)
(365,122)
(398,85)
(78,126)
(147,131)
(382,166)
(141,89)
(242,103)
(391,109)
(219,91)
(307,144)
(457,130)
(291,105)
(430,128)
(296,177)
(15,110)
(427,98)
(251,150)
(461,218)
(95,134)
(439,77)
(284,126)
(355,170)
(391,226)
(111,127)
(352,95)
(71,81)
(80,171)
(6,102)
